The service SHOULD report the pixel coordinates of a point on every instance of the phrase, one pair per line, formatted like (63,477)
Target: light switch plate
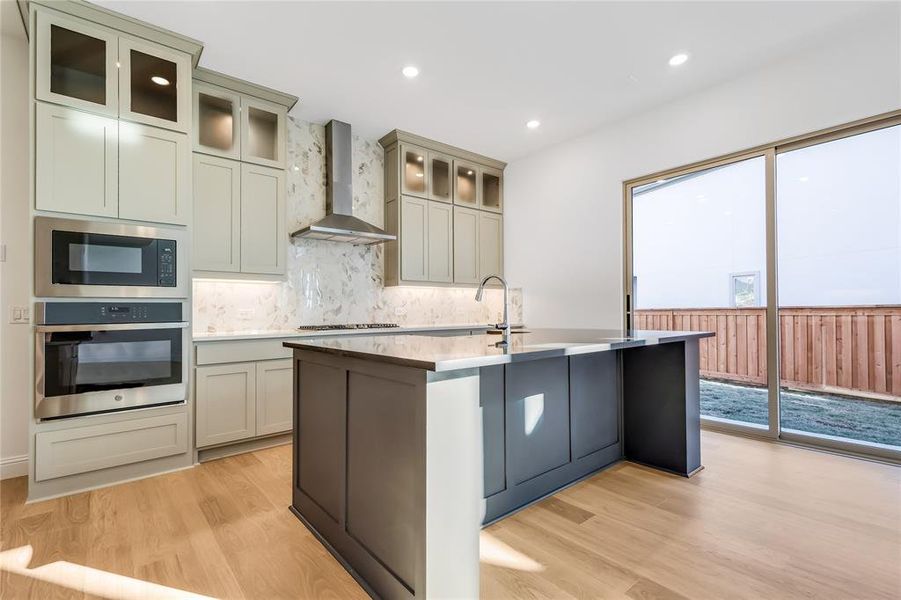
(19,314)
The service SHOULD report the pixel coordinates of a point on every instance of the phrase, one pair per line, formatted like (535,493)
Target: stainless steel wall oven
(93,357)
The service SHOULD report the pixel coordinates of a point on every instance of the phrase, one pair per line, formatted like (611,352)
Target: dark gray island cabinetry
(406,445)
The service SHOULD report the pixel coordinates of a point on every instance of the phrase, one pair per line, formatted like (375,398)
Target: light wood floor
(761,521)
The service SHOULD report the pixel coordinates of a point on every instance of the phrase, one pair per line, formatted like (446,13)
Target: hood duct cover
(339,224)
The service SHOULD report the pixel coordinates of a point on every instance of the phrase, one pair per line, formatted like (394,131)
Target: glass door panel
(839,263)
(440,186)
(76,64)
(155,85)
(262,132)
(492,190)
(466,189)
(414,178)
(699,264)
(216,121)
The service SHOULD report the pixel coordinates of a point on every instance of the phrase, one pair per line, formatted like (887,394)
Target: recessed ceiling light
(533,124)
(159,80)
(410,71)
(678,59)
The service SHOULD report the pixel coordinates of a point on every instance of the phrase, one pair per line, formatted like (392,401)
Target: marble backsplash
(330,282)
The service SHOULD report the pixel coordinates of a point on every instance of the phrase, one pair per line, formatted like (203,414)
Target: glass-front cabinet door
(414,175)
(154,85)
(439,176)
(466,183)
(76,64)
(217,116)
(263,132)
(492,188)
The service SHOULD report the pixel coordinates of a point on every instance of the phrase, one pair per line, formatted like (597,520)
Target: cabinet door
(263,233)
(491,190)
(441,242)
(225,403)
(275,396)
(537,418)
(414,227)
(594,402)
(263,132)
(414,172)
(75,64)
(154,167)
(154,85)
(441,186)
(466,183)
(76,161)
(217,214)
(217,121)
(491,244)
(466,245)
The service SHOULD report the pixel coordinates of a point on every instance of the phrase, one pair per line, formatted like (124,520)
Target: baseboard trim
(14,466)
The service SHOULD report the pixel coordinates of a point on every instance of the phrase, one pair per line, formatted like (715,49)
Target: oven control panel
(77,313)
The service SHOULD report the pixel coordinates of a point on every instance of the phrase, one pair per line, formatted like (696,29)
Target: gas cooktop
(347,326)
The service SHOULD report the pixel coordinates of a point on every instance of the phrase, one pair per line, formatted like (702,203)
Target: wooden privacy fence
(854,350)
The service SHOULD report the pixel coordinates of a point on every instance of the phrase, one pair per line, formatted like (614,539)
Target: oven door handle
(109,327)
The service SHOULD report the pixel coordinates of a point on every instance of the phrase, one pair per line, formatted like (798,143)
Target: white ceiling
(487,68)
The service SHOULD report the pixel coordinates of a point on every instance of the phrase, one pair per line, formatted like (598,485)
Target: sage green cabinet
(217,214)
(263,232)
(491,244)
(445,206)
(414,250)
(440,242)
(76,161)
(263,132)
(217,121)
(466,183)
(75,63)
(225,403)
(466,245)
(154,85)
(274,396)
(154,174)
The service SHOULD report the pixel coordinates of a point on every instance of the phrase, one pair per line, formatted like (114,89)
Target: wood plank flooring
(761,521)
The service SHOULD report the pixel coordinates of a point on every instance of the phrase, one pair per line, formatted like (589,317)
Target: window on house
(745,289)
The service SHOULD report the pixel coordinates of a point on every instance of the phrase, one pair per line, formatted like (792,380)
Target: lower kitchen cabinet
(225,401)
(238,401)
(275,392)
(154,174)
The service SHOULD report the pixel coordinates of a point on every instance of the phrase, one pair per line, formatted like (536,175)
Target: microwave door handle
(109,327)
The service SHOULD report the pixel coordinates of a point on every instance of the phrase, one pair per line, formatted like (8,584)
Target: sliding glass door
(791,255)
(839,262)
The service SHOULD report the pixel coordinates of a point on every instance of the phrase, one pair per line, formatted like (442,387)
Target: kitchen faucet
(505,325)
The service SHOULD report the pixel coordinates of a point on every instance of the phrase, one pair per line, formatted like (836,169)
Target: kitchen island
(405,445)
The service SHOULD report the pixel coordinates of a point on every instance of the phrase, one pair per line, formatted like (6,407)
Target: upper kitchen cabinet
(217,119)
(75,63)
(445,206)
(440,178)
(263,132)
(154,85)
(414,176)
(491,193)
(263,231)
(466,183)
(154,181)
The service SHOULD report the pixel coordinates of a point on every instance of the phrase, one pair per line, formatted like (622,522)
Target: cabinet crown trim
(125,24)
(411,138)
(245,87)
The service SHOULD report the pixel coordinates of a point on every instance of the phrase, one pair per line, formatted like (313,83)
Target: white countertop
(259,334)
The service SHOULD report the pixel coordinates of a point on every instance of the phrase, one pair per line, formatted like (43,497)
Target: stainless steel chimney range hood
(339,224)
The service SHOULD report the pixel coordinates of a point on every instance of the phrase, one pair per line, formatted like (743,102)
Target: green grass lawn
(856,419)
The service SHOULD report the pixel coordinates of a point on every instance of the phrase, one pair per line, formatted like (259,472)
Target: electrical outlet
(19,314)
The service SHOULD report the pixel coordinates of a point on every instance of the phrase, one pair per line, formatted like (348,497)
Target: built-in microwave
(96,357)
(108,260)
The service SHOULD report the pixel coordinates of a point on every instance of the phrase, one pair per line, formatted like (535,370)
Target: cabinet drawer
(211,353)
(71,451)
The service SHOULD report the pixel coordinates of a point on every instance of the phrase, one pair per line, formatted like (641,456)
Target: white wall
(563,216)
(15,273)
